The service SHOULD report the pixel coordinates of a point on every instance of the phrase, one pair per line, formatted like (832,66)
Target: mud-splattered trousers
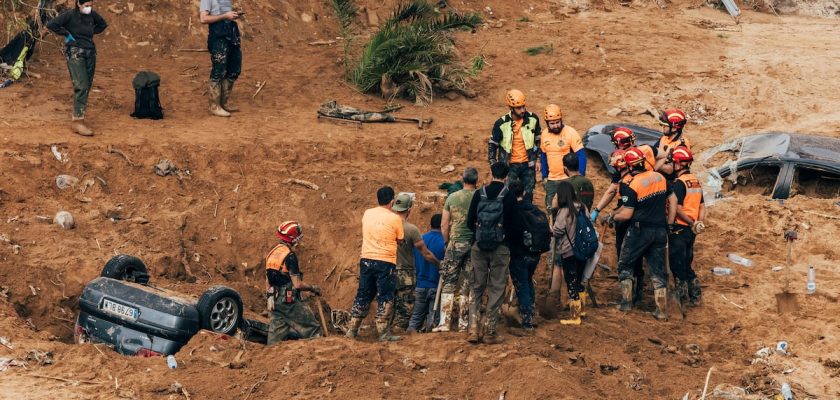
(522,269)
(490,274)
(293,317)
(404,296)
(225,51)
(377,279)
(455,271)
(648,242)
(82,65)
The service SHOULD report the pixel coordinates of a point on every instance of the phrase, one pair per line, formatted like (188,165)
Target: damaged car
(121,309)
(598,139)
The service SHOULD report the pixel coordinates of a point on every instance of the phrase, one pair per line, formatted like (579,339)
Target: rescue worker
(406,271)
(381,230)
(515,141)
(455,267)
(645,201)
(223,43)
(691,211)
(673,121)
(289,316)
(558,140)
(78,26)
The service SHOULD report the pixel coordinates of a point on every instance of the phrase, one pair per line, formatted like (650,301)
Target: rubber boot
(464,313)
(353,328)
(490,335)
(383,324)
(626,295)
(78,126)
(661,297)
(682,291)
(215,100)
(638,289)
(474,334)
(574,311)
(447,301)
(584,297)
(694,292)
(227,88)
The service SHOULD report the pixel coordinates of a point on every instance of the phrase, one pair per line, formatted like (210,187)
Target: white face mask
(86,9)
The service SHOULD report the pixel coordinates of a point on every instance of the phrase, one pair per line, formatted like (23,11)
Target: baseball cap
(403,202)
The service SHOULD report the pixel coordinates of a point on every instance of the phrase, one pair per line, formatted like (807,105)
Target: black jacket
(81,26)
(509,202)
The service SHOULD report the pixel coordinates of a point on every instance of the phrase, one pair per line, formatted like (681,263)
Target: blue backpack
(586,238)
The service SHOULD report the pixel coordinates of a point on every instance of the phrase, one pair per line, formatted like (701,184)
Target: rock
(447,169)
(575,50)
(671,349)
(66,181)
(165,167)
(693,348)
(142,44)
(64,219)
(306,17)
(130,7)
(372,18)
(613,112)
(452,95)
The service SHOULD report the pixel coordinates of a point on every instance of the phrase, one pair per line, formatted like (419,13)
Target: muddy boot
(490,336)
(694,292)
(638,290)
(446,303)
(474,334)
(464,314)
(626,295)
(584,297)
(78,126)
(682,291)
(574,310)
(383,324)
(215,100)
(661,297)
(353,327)
(227,88)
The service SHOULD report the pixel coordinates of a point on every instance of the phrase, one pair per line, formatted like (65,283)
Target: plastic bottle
(171,362)
(786,392)
(812,280)
(739,260)
(721,271)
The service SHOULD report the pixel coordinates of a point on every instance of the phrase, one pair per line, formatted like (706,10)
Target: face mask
(86,9)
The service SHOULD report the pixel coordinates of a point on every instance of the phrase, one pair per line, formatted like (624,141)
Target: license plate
(119,309)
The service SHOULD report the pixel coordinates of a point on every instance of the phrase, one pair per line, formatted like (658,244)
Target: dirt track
(768,73)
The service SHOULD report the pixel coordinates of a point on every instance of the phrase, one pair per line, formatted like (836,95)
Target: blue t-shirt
(427,273)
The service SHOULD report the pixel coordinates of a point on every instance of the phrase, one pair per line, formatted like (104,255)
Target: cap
(403,202)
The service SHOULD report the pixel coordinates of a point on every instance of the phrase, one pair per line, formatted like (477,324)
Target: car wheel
(126,268)
(220,310)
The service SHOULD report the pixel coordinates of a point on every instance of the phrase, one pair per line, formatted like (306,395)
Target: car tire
(128,268)
(220,310)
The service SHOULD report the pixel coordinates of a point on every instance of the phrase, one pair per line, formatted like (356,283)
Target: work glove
(315,289)
(698,227)
(269,295)
(69,38)
(594,216)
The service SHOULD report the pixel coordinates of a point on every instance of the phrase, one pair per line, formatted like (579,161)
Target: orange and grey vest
(693,197)
(648,184)
(276,258)
(666,143)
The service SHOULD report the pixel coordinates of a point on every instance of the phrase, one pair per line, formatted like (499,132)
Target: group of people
(486,235)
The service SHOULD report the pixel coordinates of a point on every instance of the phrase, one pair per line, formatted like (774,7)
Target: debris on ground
(64,219)
(303,183)
(165,167)
(40,357)
(66,181)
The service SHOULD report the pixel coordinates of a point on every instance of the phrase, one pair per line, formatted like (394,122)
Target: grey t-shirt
(215,7)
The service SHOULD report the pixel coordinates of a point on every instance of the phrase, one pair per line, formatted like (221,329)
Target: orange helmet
(290,232)
(623,137)
(634,157)
(553,113)
(515,98)
(682,154)
(674,119)
(617,159)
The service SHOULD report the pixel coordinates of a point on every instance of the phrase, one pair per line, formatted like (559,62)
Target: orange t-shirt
(518,153)
(381,228)
(555,146)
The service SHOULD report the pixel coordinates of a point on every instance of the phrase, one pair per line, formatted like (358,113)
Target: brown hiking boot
(78,126)
(215,100)
(661,297)
(491,338)
(227,88)
(474,336)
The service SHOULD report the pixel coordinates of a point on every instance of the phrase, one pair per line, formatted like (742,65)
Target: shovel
(786,301)
(511,312)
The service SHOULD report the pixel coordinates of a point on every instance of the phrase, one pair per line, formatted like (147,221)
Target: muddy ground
(213,222)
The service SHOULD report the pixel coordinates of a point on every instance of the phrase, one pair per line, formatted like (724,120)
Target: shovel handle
(324,327)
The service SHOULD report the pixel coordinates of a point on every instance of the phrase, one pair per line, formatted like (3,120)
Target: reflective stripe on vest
(693,197)
(276,258)
(648,184)
(527,131)
(666,144)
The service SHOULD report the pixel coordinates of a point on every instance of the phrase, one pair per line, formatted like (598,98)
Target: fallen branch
(821,215)
(112,149)
(329,274)
(706,386)
(322,43)
(254,386)
(731,302)
(67,380)
(260,86)
(302,182)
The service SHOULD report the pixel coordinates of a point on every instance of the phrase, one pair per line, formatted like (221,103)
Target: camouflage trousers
(404,296)
(292,321)
(455,271)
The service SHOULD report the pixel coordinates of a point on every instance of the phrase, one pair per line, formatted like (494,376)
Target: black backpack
(146,98)
(537,234)
(586,238)
(489,229)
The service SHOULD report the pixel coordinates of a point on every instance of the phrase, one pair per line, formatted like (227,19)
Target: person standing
(584,190)
(569,208)
(428,277)
(285,282)
(490,218)
(691,211)
(223,42)
(78,26)
(528,227)
(556,142)
(406,271)
(673,122)
(455,267)
(382,229)
(515,141)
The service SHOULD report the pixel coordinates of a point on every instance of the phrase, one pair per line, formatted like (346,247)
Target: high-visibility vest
(667,144)
(527,131)
(693,197)
(648,184)
(276,258)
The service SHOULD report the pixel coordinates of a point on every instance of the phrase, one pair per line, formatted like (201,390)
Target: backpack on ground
(489,229)
(146,97)
(537,234)
(586,238)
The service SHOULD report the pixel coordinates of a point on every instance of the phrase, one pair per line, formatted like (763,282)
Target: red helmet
(674,119)
(623,137)
(290,232)
(617,159)
(682,154)
(633,157)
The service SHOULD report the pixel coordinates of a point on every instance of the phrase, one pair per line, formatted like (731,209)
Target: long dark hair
(566,197)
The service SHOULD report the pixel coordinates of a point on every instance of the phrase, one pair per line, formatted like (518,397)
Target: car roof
(812,150)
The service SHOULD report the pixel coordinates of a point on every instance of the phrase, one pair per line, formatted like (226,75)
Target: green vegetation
(542,49)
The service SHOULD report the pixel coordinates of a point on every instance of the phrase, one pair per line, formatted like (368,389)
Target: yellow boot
(583,298)
(574,308)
